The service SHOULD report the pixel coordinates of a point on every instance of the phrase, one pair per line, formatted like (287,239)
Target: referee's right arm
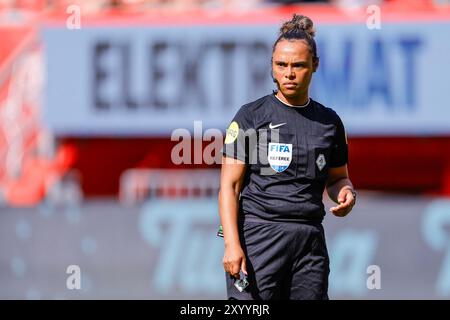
(231,178)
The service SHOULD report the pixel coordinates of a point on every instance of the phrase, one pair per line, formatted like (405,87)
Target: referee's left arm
(340,190)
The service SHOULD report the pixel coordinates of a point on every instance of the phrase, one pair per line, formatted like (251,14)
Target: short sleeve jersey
(288,151)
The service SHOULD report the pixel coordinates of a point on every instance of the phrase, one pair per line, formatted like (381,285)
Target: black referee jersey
(288,151)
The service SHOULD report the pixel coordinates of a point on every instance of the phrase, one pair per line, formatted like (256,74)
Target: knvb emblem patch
(280,156)
(321,161)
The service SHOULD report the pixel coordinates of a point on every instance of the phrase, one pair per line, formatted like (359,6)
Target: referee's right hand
(234,260)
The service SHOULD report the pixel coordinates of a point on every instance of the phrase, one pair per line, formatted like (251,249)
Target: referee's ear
(315,64)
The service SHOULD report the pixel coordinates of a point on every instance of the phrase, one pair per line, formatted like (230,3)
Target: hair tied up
(298,23)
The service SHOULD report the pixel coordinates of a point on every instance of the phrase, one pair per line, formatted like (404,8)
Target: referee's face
(292,65)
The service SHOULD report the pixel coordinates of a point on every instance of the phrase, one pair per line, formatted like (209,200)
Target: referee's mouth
(290,85)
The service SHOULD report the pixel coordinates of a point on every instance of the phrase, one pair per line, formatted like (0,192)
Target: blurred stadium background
(86,117)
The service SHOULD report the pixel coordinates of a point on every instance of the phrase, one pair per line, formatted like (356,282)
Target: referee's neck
(298,103)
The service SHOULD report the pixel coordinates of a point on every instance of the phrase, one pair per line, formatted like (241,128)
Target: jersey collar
(290,105)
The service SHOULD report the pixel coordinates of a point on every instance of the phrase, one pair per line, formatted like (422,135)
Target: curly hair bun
(298,23)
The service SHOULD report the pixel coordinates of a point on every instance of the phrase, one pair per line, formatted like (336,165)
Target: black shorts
(285,260)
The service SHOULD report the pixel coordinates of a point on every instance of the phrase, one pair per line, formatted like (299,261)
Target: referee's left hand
(346,203)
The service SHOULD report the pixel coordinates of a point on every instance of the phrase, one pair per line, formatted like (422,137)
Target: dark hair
(298,28)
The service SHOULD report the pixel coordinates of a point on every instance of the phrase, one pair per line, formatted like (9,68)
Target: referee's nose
(290,74)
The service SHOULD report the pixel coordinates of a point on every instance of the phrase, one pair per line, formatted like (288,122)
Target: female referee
(271,208)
